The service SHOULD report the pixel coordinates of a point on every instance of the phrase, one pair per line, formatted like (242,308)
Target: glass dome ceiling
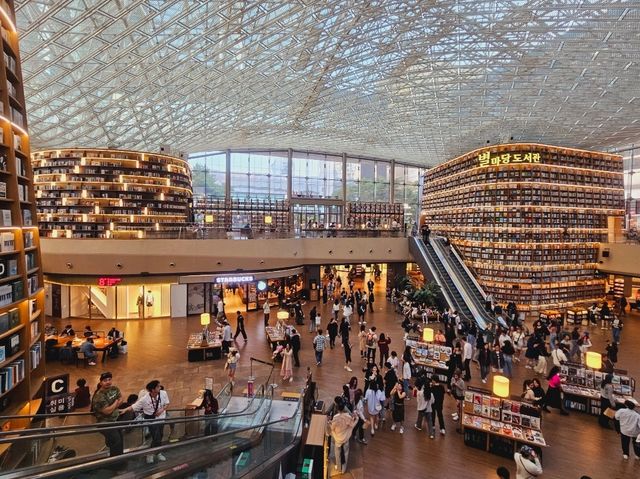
(419,81)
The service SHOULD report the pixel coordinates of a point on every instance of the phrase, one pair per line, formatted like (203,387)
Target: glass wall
(316,175)
(368,180)
(259,174)
(406,189)
(209,173)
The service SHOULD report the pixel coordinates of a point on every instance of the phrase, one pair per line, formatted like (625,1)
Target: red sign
(109,281)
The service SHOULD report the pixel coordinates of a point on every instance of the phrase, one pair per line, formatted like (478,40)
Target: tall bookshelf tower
(21,291)
(528,218)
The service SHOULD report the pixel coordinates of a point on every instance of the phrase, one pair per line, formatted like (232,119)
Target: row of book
(12,292)
(505,410)
(587,379)
(505,429)
(11,375)
(36,355)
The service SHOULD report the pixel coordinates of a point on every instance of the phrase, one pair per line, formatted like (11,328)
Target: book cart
(500,426)
(581,387)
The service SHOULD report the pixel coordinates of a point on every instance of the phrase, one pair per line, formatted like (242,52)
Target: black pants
(211,427)
(602,419)
(225,346)
(156,431)
(383,358)
(296,359)
(437,411)
(332,341)
(114,441)
(347,352)
(625,440)
(371,355)
(266,320)
(358,430)
(239,331)
(467,369)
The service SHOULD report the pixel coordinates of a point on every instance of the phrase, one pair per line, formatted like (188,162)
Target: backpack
(370,340)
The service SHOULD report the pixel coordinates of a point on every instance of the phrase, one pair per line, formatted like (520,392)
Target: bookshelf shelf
(528,219)
(99,193)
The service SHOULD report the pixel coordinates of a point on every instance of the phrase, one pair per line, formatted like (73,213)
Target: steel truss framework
(419,81)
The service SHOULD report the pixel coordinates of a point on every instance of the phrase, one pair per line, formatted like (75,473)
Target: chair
(80,356)
(67,355)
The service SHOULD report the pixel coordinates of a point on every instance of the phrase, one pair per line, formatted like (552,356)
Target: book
(5,218)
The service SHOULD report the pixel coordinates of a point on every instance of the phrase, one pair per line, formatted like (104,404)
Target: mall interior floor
(156,350)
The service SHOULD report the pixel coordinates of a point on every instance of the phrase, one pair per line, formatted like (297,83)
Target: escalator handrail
(70,470)
(80,429)
(468,272)
(84,413)
(477,315)
(424,248)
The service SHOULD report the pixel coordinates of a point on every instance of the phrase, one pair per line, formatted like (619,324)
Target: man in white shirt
(220,314)
(227,337)
(153,406)
(467,355)
(629,428)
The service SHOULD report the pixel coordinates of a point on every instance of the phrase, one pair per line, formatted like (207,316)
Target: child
(83,396)
(230,366)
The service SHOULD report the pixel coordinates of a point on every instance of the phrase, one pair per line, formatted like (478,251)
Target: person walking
(616,329)
(312,319)
(294,340)
(232,362)
(286,371)
(629,428)
(438,391)
(240,327)
(425,400)
(383,347)
(467,356)
(319,345)
(371,340)
(104,405)
(332,330)
(226,336)
(484,360)
(362,341)
(153,406)
(397,397)
(371,300)
(266,309)
(336,308)
(358,408)
(340,429)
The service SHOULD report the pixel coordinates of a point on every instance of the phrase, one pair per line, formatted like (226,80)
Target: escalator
(258,435)
(474,291)
(457,284)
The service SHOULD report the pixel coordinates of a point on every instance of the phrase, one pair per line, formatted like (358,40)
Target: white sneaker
(149,458)
(442,431)
(291,379)
(624,456)
(401,430)
(349,369)
(161,457)
(393,427)
(484,381)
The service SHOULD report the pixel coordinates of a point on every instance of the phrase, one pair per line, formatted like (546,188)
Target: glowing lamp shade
(205,319)
(282,315)
(501,386)
(427,335)
(208,219)
(594,360)
(268,220)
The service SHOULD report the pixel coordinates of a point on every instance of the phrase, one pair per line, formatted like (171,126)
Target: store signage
(488,159)
(109,281)
(234,279)
(57,385)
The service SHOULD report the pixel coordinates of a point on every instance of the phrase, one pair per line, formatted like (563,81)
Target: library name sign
(496,159)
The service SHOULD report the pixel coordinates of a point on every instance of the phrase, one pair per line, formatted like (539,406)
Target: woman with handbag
(607,400)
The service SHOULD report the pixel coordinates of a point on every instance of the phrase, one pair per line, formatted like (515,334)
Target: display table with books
(199,351)
(500,425)
(430,357)
(581,387)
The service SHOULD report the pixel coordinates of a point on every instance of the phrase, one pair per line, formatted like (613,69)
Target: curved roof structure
(420,81)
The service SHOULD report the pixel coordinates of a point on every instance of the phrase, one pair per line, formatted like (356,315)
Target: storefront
(108,297)
(246,291)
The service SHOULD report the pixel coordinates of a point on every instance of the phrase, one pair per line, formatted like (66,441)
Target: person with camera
(527,463)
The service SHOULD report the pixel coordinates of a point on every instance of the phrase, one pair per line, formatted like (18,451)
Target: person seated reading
(113,333)
(68,331)
(67,353)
